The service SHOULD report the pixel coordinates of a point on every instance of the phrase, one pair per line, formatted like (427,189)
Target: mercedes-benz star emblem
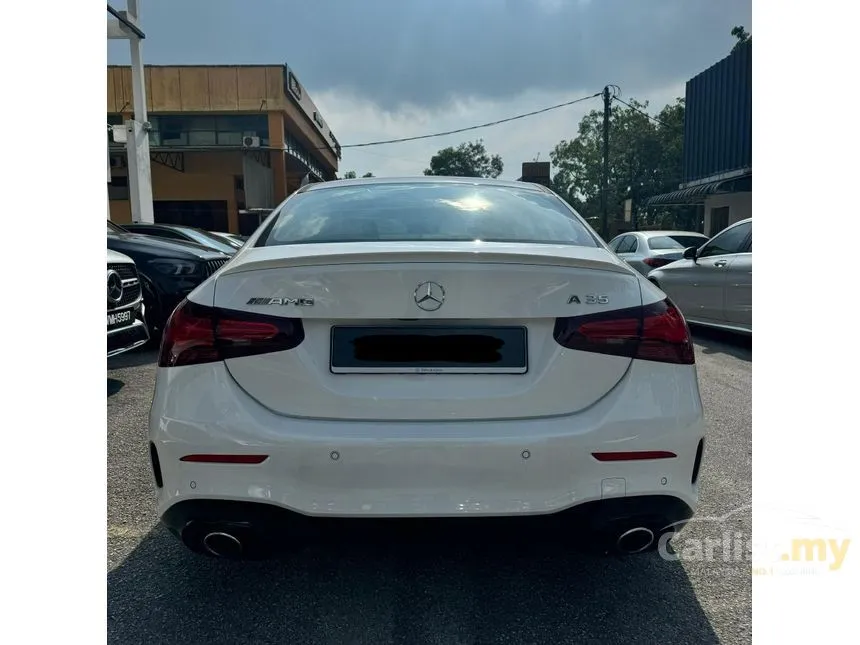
(114,287)
(429,296)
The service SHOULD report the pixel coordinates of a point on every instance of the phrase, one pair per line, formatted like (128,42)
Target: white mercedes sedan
(424,348)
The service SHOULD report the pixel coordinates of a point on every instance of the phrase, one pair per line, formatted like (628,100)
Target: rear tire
(152,315)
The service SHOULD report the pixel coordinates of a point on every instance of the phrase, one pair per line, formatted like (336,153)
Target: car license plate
(428,350)
(119,319)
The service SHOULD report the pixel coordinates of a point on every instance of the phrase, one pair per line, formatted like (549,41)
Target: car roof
(425,179)
(664,233)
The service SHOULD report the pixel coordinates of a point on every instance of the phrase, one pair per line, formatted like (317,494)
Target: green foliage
(645,159)
(466,160)
(367,174)
(349,174)
(742,36)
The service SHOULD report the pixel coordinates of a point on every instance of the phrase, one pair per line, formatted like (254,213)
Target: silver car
(649,250)
(712,285)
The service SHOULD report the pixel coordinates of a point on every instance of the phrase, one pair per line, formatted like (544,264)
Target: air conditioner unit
(250,142)
(119,134)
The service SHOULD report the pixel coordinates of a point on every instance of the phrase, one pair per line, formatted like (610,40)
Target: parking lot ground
(461,587)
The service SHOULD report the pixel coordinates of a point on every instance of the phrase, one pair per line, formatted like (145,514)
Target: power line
(636,109)
(472,127)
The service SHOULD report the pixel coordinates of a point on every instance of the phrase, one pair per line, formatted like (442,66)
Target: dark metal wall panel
(718,118)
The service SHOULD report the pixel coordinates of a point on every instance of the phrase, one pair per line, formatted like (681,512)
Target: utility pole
(125,25)
(607,103)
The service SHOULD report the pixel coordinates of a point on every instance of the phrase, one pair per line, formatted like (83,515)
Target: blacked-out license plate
(428,350)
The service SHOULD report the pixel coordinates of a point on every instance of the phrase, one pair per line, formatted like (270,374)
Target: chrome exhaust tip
(222,545)
(635,540)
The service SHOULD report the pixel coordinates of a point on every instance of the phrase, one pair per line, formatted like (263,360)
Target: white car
(430,347)
(126,329)
(647,250)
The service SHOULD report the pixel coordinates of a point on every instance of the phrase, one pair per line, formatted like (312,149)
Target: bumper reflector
(633,456)
(225,459)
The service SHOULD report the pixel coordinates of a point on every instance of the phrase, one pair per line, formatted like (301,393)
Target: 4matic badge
(298,302)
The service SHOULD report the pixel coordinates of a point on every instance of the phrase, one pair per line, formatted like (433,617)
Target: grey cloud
(428,52)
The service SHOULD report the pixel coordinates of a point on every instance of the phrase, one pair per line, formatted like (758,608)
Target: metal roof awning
(697,194)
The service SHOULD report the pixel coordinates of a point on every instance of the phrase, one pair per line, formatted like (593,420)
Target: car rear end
(666,247)
(425,378)
(126,329)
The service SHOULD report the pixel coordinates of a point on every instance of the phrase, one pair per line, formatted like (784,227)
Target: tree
(469,159)
(742,35)
(645,159)
(367,174)
(349,174)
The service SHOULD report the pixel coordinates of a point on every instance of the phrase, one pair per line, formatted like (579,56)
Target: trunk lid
(501,294)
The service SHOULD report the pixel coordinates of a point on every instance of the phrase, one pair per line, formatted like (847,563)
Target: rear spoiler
(276,257)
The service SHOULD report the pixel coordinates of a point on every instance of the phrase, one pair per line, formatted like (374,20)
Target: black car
(169,270)
(183,234)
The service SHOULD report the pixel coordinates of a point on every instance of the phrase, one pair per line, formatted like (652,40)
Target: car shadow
(114,386)
(715,341)
(463,588)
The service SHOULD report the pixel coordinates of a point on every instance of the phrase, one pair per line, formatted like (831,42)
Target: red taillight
(197,334)
(657,262)
(665,335)
(656,332)
(225,459)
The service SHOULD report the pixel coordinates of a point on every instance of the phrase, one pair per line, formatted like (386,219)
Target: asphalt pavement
(457,589)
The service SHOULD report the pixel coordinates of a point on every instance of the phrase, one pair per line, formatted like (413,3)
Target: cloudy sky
(381,69)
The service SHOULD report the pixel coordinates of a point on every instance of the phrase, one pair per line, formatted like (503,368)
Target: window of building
(202,138)
(299,152)
(118,188)
(207,130)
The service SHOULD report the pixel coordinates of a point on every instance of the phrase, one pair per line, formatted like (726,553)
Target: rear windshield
(438,212)
(675,242)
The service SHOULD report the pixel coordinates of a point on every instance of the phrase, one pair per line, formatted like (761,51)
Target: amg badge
(298,302)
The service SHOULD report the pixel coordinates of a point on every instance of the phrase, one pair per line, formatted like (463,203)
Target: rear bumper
(264,528)
(123,340)
(413,469)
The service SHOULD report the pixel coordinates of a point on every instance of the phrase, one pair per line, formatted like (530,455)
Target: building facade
(227,143)
(718,143)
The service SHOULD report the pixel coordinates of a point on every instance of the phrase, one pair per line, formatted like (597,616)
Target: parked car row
(153,274)
(186,234)
(710,280)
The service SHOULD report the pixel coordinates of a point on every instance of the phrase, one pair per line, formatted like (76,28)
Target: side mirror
(690,254)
